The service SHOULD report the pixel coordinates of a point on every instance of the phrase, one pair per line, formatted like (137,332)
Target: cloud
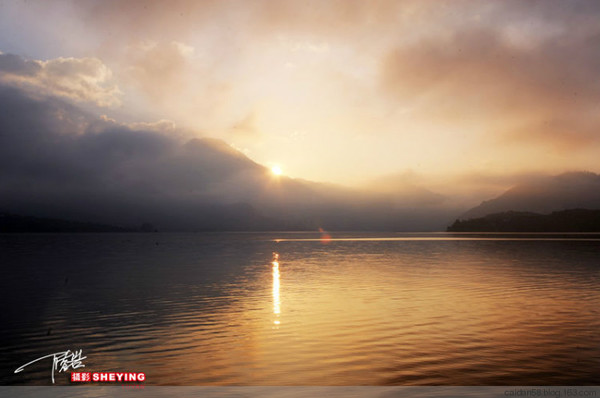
(159,69)
(163,125)
(78,79)
(543,94)
(559,133)
(173,80)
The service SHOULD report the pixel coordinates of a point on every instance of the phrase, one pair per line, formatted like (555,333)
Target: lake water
(292,309)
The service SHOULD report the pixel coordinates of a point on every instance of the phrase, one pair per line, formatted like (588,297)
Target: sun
(276,170)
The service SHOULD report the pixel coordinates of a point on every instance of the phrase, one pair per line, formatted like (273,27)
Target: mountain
(544,195)
(572,220)
(58,161)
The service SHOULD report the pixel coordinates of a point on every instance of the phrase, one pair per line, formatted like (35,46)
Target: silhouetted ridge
(573,220)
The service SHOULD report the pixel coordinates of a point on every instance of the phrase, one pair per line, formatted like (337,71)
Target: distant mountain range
(569,202)
(575,190)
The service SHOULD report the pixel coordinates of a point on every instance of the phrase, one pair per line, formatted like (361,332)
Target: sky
(348,92)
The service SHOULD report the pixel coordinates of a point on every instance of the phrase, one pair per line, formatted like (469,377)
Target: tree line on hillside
(572,220)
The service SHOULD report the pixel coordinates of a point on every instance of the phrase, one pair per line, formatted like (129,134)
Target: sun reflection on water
(276,299)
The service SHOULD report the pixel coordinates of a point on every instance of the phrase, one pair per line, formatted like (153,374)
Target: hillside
(573,220)
(575,190)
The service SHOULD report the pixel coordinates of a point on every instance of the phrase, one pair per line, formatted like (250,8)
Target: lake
(295,309)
